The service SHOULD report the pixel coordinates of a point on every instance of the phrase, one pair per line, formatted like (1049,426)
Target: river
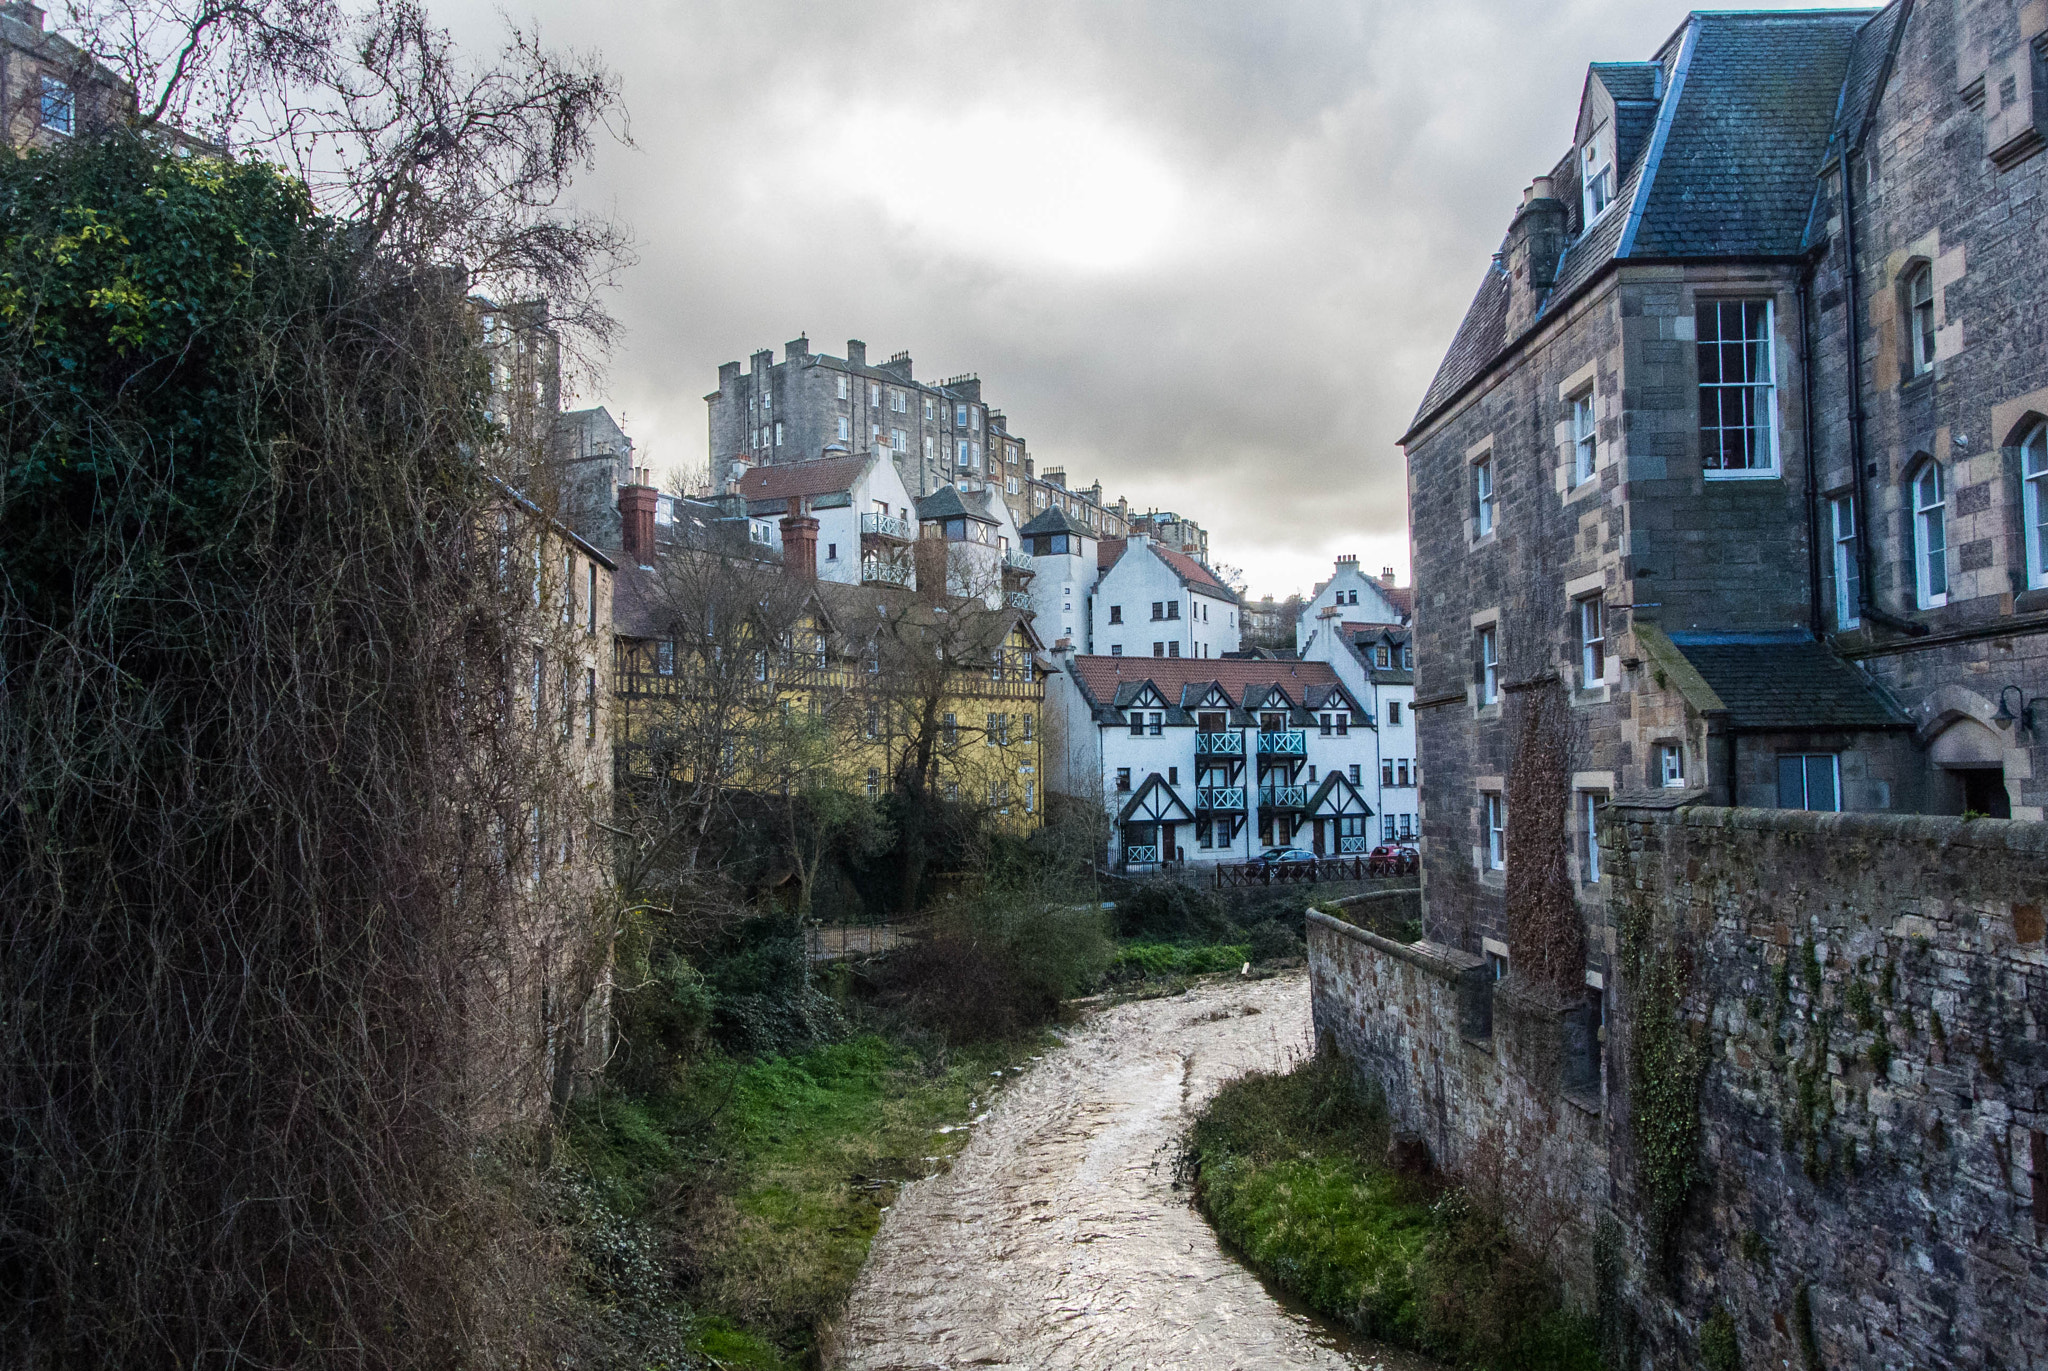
(1056,1239)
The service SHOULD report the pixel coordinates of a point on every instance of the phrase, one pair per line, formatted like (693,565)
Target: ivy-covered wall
(1819,1135)
(1860,998)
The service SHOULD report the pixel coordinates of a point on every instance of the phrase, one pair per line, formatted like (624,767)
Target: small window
(1354,773)
(1173,609)
(1116,614)
(1116,649)
(1152,723)
(1487,663)
(590,599)
(949,729)
(60,106)
(1482,495)
(1930,539)
(1810,780)
(665,659)
(1671,765)
(778,433)
(1393,711)
(1158,610)
(1738,387)
(1920,318)
(874,396)
(767,401)
(1496,816)
(842,395)
(874,786)
(1589,837)
(1592,642)
(590,704)
(960,416)
(1382,656)
(1173,649)
(831,552)
(1123,778)
(1585,440)
(1597,176)
(1848,567)
(927,408)
(2034,502)
(1386,771)
(1159,649)
(1173,775)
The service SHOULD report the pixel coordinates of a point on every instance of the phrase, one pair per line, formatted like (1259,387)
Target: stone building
(1927,307)
(936,432)
(51,91)
(1084,507)
(1612,497)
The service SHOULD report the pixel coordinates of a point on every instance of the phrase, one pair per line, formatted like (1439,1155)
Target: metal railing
(1219,745)
(1349,845)
(1290,742)
(1283,797)
(1141,856)
(873,572)
(1226,797)
(1014,560)
(885,526)
(1018,599)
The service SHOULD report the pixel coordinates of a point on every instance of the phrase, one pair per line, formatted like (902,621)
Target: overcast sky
(1206,252)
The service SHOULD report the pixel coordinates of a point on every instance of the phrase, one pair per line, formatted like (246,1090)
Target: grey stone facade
(1940,130)
(1863,998)
(790,411)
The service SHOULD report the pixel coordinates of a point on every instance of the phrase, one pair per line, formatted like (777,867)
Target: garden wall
(1838,1135)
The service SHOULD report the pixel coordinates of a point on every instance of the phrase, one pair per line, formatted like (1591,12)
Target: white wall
(1346,581)
(1203,626)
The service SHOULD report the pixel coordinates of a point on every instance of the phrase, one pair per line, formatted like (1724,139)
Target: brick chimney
(636,518)
(1536,240)
(800,544)
(1387,577)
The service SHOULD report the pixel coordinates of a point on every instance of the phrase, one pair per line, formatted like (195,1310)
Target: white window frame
(1482,485)
(1930,536)
(1489,664)
(842,385)
(1920,318)
(1493,822)
(1762,422)
(1597,188)
(1592,621)
(1848,569)
(1585,439)
(874,396)
(2034,503)
(1671,766)
(1589,816)
(57,109)
(778,433)
(845,429)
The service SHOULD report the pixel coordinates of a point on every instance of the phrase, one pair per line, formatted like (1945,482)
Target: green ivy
(1719,1348)
(1667,1065)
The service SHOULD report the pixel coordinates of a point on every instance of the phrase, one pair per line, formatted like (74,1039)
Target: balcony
(1141,856)
(1219,744)
(1228,798)
(879,573)
(1018,599)
(1347,846)
(1283,797)
(1014,560)
(1290,742)
(885,527)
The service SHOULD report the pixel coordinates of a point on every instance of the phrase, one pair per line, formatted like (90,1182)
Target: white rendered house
(866,517)
(1355,598)
(1151,601)
(1200,760)
(1064,555)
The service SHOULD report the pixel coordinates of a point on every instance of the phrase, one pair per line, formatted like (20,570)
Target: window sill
(1585,1101)
(2030,601)
(1486,539)
(1487,713)
(1932,603)
(1592,695)
(1589,486)
(1770,474)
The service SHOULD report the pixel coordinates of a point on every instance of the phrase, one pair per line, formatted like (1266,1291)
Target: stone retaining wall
(1865,994)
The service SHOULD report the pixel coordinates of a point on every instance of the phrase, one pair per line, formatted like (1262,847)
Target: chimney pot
(1387,576)
(1539,189)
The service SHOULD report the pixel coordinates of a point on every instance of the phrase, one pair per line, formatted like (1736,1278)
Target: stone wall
(1861,997)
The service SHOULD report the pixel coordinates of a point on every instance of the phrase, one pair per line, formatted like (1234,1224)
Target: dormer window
(1596,172)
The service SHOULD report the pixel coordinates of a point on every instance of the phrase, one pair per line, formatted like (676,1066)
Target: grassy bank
(727,1218)
(1291,1171)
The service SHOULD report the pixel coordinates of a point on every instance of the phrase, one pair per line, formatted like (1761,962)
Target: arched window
(1930,539)
(2034,502)
(1920,318)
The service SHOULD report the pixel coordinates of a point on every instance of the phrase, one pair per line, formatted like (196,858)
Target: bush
(1160,961)
(1170,911)
(996,970)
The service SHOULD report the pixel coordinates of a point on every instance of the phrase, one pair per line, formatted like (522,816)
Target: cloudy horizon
(1207,254)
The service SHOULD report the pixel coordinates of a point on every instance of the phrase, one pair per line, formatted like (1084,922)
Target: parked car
(1283,856)
(1393,859)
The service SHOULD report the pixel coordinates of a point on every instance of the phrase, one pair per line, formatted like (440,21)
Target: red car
(1393,859)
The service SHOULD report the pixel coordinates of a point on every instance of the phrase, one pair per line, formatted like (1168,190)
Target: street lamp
(2005,718)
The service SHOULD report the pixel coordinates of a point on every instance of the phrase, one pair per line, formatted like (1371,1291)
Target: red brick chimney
(636,518)
(800,544)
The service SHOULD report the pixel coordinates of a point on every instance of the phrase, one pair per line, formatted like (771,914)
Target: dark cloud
(1206,252)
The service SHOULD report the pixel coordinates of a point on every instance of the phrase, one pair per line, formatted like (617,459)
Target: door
(1320,850)
(1167,851)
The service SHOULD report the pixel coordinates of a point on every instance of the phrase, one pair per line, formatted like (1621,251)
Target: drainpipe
(1866,606)
(1812,458)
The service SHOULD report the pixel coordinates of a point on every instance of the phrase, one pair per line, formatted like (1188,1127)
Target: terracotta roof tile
(803,480)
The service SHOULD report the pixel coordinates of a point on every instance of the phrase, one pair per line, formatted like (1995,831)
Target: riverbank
(1292,1168)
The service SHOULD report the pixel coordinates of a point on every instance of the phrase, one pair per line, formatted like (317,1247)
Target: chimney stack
(637,503)
(1387,577)
(1536,240)
(800,544)
(856,352)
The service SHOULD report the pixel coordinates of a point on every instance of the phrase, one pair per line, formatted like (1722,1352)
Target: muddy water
(1057,1240)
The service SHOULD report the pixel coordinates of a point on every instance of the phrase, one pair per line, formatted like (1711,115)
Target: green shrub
(1719,1349)
(1159,961)
(994,970)
(1169,911)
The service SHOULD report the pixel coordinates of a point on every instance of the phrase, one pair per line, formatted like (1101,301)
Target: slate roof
(947,503)
(1751,101)
(1052,519)
(1628,80)
(1788,685)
